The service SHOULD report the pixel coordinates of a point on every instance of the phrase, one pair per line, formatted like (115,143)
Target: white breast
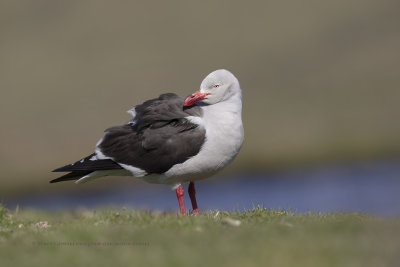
(224,138)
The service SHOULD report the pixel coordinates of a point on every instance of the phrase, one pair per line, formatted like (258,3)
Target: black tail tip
(61,169)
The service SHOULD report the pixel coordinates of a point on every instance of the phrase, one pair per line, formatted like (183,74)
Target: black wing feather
(71,176)
(86,164)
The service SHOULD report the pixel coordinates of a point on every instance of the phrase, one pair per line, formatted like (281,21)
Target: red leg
(179,195)
(192,194)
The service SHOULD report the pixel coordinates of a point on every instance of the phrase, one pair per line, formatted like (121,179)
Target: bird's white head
(218,86)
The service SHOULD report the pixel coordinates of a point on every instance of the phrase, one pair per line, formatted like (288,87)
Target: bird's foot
(195,212)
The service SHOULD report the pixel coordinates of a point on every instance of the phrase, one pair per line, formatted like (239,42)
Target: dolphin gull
(171,140)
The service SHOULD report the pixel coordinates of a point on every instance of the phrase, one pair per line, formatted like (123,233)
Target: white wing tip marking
(137,172)
(132,111)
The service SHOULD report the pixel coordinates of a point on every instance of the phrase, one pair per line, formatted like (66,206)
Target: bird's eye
(215,85)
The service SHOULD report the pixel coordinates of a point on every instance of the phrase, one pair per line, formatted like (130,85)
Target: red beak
(193,98)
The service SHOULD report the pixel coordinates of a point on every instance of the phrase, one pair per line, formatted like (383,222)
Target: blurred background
(320,87)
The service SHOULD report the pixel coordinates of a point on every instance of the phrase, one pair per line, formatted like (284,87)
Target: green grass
(265,237)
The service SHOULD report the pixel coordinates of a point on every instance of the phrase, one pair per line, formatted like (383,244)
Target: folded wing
(160,135)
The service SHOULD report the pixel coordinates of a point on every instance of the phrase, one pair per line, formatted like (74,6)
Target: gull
(171,140)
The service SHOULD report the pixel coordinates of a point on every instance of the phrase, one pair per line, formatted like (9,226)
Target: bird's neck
(228,110)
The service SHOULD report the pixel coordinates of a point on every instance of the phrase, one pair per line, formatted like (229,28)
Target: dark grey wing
(157,138)
(162,110)
(153,150)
